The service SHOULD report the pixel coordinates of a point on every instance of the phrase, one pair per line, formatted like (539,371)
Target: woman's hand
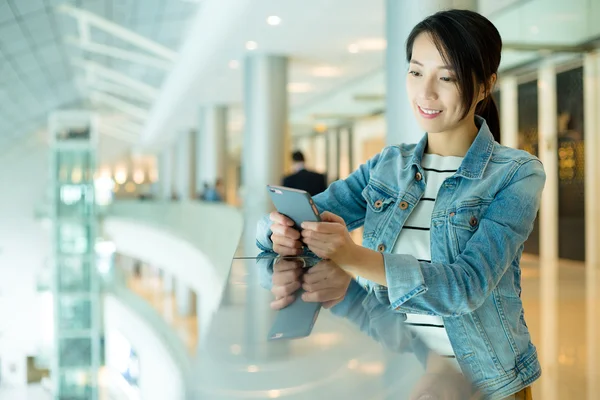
(324,283)
(329,239)
(286,239)
(287,275)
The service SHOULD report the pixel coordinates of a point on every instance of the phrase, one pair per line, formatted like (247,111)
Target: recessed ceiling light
(273,20)
(234,64)
(326,71)
(353,48)
(299,87)
(251,45)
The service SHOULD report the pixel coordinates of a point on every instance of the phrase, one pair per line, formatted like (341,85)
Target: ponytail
(488,110)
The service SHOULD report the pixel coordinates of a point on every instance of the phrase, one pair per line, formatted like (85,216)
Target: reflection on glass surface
(356,350)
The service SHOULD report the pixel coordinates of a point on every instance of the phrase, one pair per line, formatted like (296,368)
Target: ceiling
(41,70)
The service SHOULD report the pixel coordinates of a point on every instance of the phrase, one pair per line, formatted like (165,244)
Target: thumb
(331,217)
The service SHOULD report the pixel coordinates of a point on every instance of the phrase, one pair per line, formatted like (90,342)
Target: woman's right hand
(286,239)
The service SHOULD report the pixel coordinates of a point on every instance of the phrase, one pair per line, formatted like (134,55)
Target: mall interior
(138,138)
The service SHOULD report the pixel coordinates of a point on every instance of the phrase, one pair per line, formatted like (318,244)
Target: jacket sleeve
(343,198)
(459,288)
(380,322)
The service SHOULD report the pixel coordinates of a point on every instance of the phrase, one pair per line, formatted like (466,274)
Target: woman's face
(432,89)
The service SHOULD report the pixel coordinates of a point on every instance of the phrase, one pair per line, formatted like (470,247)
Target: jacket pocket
(464,222)
(379,209)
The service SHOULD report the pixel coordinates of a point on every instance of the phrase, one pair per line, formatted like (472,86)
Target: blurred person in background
(444,220)
(303,179)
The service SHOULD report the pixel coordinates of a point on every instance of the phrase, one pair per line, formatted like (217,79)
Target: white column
(266,116)
(184,299)
(212,146)
(184,168)
(591,81)
(165,174)
(168,283)
(549,228)
(401,17)
(509,111)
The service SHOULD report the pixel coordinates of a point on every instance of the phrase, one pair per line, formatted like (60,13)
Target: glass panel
(73,238)
(74,274)
(528,141)
(75,385)
(75,352)
(74,167)
(75,314)
(571,185)
(75,200)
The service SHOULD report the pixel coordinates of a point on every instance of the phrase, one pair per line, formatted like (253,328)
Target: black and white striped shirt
(414,239)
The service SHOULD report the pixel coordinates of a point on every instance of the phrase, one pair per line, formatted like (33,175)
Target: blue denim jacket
(482,216)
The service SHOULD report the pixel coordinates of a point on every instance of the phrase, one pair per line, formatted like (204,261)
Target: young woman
(444,220)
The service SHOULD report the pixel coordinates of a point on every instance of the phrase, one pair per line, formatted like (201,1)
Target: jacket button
(418,176)
(473,221)
(452,214)
(378,203)
(403,205)
(381,248)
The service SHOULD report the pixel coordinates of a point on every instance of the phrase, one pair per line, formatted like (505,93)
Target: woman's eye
(414,73)
(447,79)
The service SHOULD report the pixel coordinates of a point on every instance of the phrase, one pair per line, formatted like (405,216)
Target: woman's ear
(486,90)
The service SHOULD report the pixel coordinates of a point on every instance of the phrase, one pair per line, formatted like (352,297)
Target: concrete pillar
(401,17)
(184,165)
(211,148)
(548,154)
(509,112)
(266,116)
(591,81)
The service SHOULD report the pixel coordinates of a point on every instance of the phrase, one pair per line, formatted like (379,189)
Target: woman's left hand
(329,239)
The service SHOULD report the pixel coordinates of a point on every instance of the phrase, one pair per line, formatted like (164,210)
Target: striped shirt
(414,239)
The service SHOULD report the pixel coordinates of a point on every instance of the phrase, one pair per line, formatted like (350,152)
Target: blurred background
(136,140)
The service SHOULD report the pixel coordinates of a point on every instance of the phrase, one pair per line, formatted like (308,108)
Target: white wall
(23,249)
(160,375)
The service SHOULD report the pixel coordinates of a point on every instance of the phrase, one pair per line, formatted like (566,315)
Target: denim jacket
(482,216)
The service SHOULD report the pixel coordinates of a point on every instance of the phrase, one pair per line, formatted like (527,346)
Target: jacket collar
(477,157)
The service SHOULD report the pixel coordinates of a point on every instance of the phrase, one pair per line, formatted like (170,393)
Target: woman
(444,220)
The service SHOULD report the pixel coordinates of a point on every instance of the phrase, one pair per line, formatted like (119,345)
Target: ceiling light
(353,48)
(251,45)
(372,44)
(299,87)
(273,20)
(234,64)
(326,71)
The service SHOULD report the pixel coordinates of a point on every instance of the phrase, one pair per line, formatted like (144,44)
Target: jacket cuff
(263,234)
(404,278)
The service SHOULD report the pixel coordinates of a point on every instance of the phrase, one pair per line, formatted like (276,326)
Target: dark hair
(297,156)
(472,45)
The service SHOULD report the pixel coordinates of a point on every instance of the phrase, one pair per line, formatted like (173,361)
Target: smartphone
(295,204)
(296,320)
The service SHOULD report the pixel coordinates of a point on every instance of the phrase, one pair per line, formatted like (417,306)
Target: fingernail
(303,225)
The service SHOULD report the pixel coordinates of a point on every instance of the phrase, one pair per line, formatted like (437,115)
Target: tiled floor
(560,325)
